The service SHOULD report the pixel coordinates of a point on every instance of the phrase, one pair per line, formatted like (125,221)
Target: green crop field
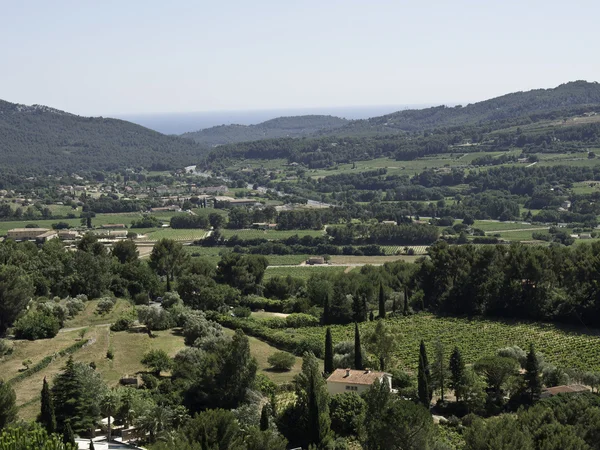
(176,234)
(301,271)
(490,225)
(270,234)
(566,347)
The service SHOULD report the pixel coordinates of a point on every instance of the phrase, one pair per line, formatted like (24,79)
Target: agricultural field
(269,234)
(493,225)
(301,271)
(401,250)
(214,254)
(374,260)
(100,219)
(566,347)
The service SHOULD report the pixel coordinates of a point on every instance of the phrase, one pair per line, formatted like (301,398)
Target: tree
(532,376)
(358,359)
(381,302)
(8,407)
(109,405)
(347,412)
(497,433)
(157,360)
(125,251)
(92,444)
(256,439)
(325,318)
(46,418)
(214,429)
(68,435)
(31,437)
(264,418)
(424,377)
(382,344)
(314,401)
(16,289)
(328,366)
(282,361)
(496,370)
(440,371)
(168,258)
(457,373)
(216,220)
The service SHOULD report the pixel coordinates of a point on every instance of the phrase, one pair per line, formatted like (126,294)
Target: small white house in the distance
(350,380)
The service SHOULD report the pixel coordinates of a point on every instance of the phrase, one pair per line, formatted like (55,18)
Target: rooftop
(351,376)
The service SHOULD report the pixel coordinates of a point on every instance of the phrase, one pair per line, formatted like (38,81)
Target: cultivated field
(270,234)
(300,271)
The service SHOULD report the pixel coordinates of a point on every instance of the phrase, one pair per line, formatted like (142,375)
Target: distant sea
(178,123)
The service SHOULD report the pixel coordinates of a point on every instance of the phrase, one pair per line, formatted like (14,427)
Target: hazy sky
(132,56)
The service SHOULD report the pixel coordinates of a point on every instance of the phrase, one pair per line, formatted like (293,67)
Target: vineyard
(562,346)
(176,234)
(401,250)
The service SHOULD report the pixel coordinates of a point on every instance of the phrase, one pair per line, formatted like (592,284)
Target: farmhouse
(315,260)
(264,226)
(68,235)
(117,226)
(26,234)
(349,380)
(565,389)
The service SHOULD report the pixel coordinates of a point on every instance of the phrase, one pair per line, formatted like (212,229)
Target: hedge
(45,362)
(283,339)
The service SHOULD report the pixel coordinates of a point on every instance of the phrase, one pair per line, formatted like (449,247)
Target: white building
(349,380)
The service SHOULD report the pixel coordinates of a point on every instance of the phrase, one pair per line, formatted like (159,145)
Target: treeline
(383,234)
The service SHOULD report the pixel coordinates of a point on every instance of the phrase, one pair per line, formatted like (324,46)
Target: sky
(144,56)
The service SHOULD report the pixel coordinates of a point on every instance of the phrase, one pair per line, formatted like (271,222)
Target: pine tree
(381,302)
(325,317)
(533,381)
(457,372)
(358,361)
(328,367)
(424,378)
(47,417)
(264,418)
(68,436)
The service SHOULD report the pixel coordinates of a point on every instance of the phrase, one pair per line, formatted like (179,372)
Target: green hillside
(276,128)
(42,138)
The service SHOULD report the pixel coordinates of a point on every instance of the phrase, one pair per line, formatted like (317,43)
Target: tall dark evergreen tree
(313,397)
(457,372)
(264,418)
(70,400)
(381,302)
(47,417)
(405,301)
(328,367)
(533,380)
(358,360)
(325,318)
(68,435)
(91,445)
(8,407)
(424,377)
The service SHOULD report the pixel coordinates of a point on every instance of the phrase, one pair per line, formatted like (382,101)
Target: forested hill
(276,128)
(567,96)
(38,138)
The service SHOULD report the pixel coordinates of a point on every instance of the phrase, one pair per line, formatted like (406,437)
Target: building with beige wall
(350,380)
(26,234)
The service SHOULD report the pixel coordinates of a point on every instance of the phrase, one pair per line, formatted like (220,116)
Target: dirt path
(67,330)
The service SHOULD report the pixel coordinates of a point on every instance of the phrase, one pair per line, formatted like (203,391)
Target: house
(264,226)
(243,202)
(350,380)
(315,260)
(565,389)
(389,222)
(566,204)
(50,234)
(68,235)
(166,208)
(26,234)
(585,236)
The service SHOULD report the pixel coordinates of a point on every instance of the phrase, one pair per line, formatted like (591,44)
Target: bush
(105,305)
(123,323)
(6,347)
(141,298)
(254,303)
(150,381)
(74,306)
(155,318)
(282,361)
(241,311)
(301,320)
(110,353)
(170,299)
(36,325)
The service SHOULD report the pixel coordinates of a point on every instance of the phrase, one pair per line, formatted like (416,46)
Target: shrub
(36,325)
(157,361)
(6,347)
(74,306)
(254,303)
(155,318)
(241,311)
(150,381)
(282,361)
(123,323)
(105,305)
(301,320)
(110,353)
(170,299)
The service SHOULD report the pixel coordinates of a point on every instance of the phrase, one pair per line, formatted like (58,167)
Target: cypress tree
(381,302)
(91,445)
(533,381)
(325,317)
(47,417)
(424,378)
(358,361)
(264,418)
(371,316)
(328,367)
(405,301)
(68,436)
(317,402)
(457,372)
